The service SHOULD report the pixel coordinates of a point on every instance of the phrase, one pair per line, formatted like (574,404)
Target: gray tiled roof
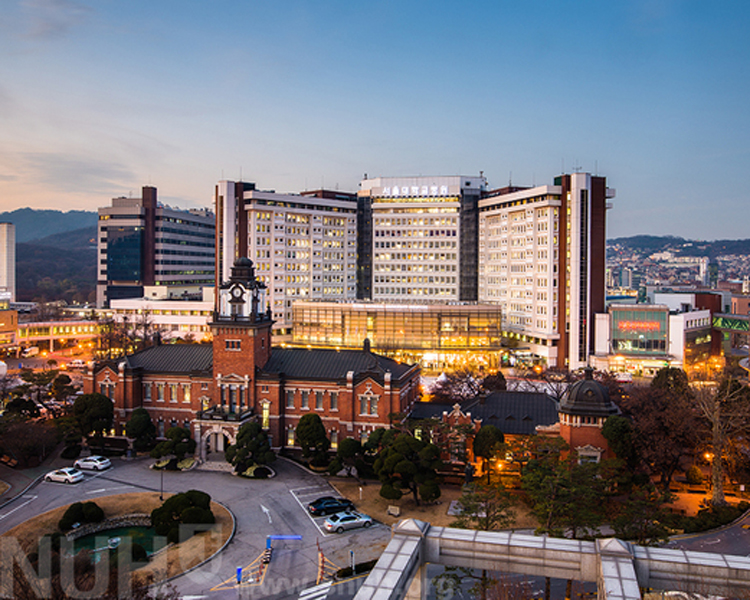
(172,358)
(330,364)
(515,413)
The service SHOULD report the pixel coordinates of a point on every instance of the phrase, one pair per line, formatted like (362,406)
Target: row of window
(162,389)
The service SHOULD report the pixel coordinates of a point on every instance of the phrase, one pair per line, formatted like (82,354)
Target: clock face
(237,292)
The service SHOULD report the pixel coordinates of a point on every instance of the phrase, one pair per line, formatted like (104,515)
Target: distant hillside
(32,224)
(58,267)
(648,244)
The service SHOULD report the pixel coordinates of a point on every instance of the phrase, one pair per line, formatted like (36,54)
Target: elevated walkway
(620,569)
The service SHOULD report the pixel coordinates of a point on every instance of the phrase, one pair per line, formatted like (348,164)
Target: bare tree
(726,409)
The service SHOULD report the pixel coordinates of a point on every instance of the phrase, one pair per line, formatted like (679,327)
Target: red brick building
(214,389)
(584,408)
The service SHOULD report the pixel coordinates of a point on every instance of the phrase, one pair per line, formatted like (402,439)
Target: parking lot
(306,495)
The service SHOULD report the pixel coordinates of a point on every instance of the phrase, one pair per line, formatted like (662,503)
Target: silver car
(95,463)
(66,475)
(346,520)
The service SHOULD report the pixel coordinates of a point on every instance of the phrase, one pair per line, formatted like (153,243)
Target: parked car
(66,475)
(346,520)
(95,463)
(328,505)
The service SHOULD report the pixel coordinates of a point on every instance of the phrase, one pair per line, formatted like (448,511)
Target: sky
(101,97)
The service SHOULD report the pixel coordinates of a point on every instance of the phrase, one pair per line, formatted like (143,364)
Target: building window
(368,405)
(290,436)
(147,392)
(160,427)
(290,398)
(160,392)
(305,399)
(173,392)
(334,400)
(232,345)
(334,439)
(318,400)
(186,393)
(265,415)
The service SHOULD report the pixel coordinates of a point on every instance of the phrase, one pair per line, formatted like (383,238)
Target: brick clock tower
(241,337)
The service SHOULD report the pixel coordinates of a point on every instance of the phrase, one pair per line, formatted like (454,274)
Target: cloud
(65,173)
(49,19)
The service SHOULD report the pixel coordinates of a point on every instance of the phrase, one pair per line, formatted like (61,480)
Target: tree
(62,387)
(666,428)
(411,464)
(486,508)
(94,413)
(672,379)
(22,407)
(618,431)
(178,444)
(726,410)
(141,428)
(566,497)
(638,518)
(347,454)
(486,445)
(312,438)
(26,439)
(464,384)
(251,448)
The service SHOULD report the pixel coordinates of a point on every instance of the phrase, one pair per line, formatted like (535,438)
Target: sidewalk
(19,480)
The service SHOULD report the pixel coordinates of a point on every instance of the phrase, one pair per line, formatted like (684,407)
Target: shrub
(71,452)
(92,512)
(79,512)
(167,518)
(694,475)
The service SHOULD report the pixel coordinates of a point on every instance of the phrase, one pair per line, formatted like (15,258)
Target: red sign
(639,326)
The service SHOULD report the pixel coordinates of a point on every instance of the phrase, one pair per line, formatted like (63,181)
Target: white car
(346,520)
(66,475)
(95,463)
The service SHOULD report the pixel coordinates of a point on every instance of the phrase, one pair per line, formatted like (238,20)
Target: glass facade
(413,333)
(640,331)
(124,253)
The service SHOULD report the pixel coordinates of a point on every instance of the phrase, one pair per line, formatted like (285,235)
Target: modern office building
(8,259)
(542,254)
(304,246)
(418,238)
(435,336)
(141,243)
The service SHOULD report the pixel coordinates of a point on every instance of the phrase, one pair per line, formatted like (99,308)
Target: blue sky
(98,98)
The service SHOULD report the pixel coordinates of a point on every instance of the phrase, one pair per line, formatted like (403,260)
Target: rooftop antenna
(510,179)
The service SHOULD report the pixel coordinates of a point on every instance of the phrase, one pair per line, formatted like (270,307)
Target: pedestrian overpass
(620,569)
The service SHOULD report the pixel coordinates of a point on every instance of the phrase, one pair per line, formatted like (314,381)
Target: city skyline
(97,100)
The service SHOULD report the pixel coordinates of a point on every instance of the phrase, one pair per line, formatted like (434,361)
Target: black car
(328,505)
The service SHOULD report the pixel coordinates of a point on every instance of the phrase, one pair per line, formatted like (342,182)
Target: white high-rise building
(303,246)
(542,257)
(418,238)
(8,259)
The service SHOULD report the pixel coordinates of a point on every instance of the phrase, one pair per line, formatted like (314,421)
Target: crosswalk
(317,592)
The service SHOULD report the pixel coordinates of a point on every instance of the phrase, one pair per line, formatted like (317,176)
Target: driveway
(262,508)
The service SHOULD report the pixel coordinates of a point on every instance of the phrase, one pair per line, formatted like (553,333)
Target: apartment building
(542,258)
(303,246)
(418,238)
(141,243)
(8,259)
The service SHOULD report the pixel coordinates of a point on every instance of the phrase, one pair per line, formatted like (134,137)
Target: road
(274,506)
(734,539)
